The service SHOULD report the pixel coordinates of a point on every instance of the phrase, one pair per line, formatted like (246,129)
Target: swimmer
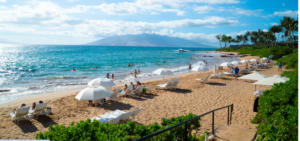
(73,69)
(135,72)
(107,75)
(93,68)
(164,62)
(112,76)
(96,67)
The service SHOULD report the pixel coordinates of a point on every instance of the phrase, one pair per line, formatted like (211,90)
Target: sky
(71,22)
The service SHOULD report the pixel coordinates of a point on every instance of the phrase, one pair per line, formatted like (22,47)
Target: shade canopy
(254,76)
(94,93)
(254,60)
(236,63)
(272,80)
(226,64)
(102,82)
(264,58)
(245,61)
(200,68)
(163,72)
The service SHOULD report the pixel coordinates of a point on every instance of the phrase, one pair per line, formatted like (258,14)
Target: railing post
(213,123)
(228,117)
(185,132)
(231,113)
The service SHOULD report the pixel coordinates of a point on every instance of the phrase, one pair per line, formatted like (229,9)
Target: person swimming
(73,69)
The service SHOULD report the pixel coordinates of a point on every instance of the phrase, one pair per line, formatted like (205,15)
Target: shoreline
(119,82)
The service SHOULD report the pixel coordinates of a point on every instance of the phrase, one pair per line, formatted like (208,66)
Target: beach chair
(261,92)
(125,116)
(137,91)
(114,96)
(20,114)
(115,120)
(176,81)
(167,85)
(135,113)
(214,75)
(204,80)
(101,120)
(128,93)
(40,109)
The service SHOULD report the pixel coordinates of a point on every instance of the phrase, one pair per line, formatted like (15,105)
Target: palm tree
(239,38)
(245,39)
(248,34)
(219,39)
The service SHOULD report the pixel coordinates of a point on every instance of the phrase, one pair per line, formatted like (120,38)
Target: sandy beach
(193,97)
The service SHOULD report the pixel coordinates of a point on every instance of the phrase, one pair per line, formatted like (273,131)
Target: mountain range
(151,40)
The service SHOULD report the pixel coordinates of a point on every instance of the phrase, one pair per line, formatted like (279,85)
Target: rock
(4,90)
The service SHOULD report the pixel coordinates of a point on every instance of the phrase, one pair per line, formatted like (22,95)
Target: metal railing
(229,116)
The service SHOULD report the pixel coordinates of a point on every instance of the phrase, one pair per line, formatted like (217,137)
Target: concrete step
(236,132)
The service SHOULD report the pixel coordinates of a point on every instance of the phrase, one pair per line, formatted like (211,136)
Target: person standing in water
(73,69)
(112,76)
(107,75)
(135,72)
(206,63)
(190,67)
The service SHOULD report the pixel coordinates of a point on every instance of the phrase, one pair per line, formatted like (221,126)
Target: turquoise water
(36,69)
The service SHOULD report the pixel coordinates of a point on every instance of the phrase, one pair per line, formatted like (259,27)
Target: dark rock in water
(224,56)
(230,54)
(4,90)
(204,56)
(210,56)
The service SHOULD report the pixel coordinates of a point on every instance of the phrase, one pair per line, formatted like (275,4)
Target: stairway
(236,132)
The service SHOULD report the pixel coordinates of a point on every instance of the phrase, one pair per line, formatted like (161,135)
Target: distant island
(152,40)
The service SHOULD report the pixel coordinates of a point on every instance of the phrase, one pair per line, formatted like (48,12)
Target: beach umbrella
(236,63)
(200,68)
(264,58)
(254,60)
(102,82)
(272,80)
(226,64)
(254,76)
(245,61)
(163,72)
(94,93)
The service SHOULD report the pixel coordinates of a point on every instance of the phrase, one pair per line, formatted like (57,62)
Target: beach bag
(144,90)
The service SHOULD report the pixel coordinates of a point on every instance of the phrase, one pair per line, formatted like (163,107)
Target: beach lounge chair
(19,115)
(128,93)
(175,83)
(138,90)
(101,102)
(167,85)
(204,80)
(115,120)
(99,119)
(40,110)
(261,92)
(135,113)
(125,116)
(114,96)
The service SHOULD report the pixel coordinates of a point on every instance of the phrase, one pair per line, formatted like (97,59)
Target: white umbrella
(264,58)
(272,80)
(236,63)
(226,64)
(94,93)
(102,82)
(245,61)
(254,60)
(254,76)
(163,72)
(200,68)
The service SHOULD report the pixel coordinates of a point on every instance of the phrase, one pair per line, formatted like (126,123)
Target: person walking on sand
(280,66)
(112,76)
(107,75)
(236,71)
(135,72)
(190,67)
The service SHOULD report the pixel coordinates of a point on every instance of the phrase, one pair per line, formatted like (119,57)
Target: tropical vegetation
(96,131)
(285,32)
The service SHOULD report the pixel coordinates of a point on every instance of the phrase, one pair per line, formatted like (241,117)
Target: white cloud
(72,0)
(274,23)
(287,13)
(203,9)
(239,11)
(154,13)
(265,30)
(244,24)
(2,0)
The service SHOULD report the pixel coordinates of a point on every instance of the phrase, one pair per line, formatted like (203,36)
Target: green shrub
(96,131)
(278,112)
(291,61)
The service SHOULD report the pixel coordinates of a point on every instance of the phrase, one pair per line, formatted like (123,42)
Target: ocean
(37,69)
